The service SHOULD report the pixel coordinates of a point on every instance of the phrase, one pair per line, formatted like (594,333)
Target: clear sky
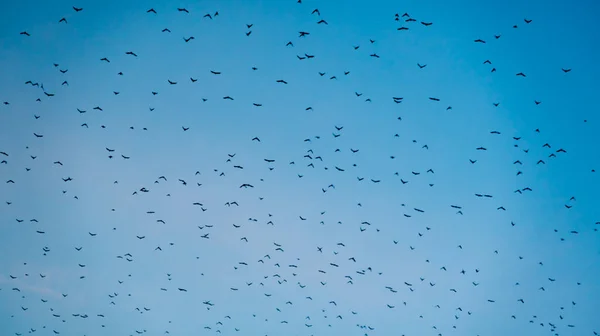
(313,245)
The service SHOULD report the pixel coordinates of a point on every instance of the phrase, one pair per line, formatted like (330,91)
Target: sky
(360,213)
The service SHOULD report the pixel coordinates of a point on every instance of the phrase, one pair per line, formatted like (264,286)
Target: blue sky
(425,142)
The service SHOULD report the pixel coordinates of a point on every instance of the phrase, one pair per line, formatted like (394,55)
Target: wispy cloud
(32,288)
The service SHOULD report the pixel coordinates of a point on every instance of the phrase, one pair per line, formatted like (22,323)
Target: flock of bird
(282,281)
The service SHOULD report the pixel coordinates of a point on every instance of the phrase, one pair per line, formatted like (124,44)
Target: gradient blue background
(561,35)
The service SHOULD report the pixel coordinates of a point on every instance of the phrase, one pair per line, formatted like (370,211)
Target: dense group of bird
(244,207)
